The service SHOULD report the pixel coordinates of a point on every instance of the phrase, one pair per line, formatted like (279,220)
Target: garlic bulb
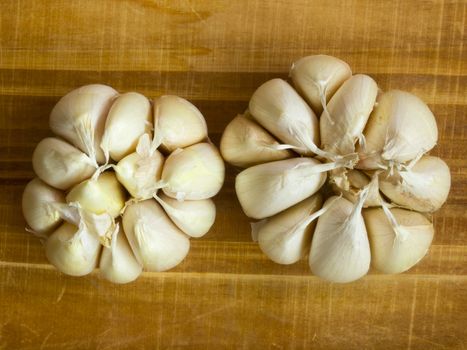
(423,187)
(398,243)
(286,237)
(73,251)
(318,77)
(195,172)
(340,251)
(79,117)
(118,263)
(128,119)
(61,165)
(101,195)
(194,218)
(345,117)
(156,242)
(179,123)
(277,107)
(39,215)
(400,128)
(244,143)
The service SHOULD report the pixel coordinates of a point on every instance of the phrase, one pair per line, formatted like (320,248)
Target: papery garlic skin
(128,119)
(282,237)
(267,189)
(340,250)
(60,164)
(118,263)
(424,187)
(157,243)
(279,109)
(36,200)
(244,143)
(79,117)
(318,77)
(179,123)
(395,250)
(193,173)
(194,218)
(400,128)
(101,195)
(72,251)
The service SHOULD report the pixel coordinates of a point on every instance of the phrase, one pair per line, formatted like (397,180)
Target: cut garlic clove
(279,109)
(285,238)
(193,173)
(400,128)
(179,123)
(346,114)
(423,187)
(79,117)
(244,143)
(36,204)
(101,195)
(73,251)
(118,263)
(318,77)
(397,249)
(340,251)
(128,119)
(194,218)
(155,240)
(61,165)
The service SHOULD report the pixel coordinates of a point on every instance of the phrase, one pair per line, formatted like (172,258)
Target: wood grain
(226,294)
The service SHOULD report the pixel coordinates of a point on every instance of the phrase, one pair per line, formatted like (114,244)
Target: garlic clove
(318,77)
(73,251)
(193,173)
(179,122)
(194,218)
(423,187)
(118,263)
(79,117)
(397,249)
(400,128)
(267,189)
(340,251)
(244,143)
(279,109)
(61,165)
(346,114)
(36,200)
(128,119)
(157,243)
(101,195)
(284,237)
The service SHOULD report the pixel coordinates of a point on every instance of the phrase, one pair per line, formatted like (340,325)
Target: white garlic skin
(60,164)
(128,118)
(396,252)
(280,238)
(180,123)
(104,195)
(84,109)
(267,189)
(425,187)
(72,253)
(36,197)
(277,107)
(157,243)
(347,113)
(318,77)
(244,143)
(193,173)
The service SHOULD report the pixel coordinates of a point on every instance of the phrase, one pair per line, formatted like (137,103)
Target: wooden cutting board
(226,294)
